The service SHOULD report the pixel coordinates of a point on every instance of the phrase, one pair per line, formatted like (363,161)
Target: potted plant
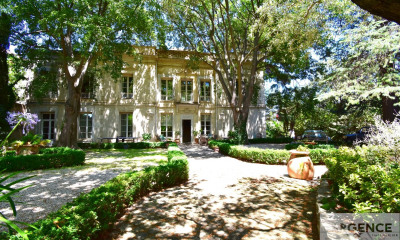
(177,137)
(196,136)
(29,144)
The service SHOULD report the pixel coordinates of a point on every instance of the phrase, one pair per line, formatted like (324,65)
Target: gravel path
(224,199)
(53,188)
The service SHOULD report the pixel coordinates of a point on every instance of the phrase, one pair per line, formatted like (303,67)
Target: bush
(89,215)
(121,145)
(267,156)
(271,140)
(364,180)
(291,146)
(47,158)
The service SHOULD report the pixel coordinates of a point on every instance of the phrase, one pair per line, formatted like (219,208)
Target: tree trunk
(69,131)
(5,104)
(389,111)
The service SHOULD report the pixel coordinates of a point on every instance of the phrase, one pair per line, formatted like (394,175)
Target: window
(127,87)
(205,91)
(126,125)
(85,125)
(205,124)
(166,89)
(187,90)
(166,125)
(88,87)
(48,125)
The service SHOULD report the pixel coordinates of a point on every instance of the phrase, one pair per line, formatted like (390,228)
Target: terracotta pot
(196,140)
(301,168)
(28,149)
(216,149)
(177,141)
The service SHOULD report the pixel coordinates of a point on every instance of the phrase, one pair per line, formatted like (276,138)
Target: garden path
(225,199)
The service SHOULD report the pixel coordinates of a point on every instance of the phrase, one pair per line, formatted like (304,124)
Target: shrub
(121,145)
(364,180)
(267,156)
(93,213)
(146,136)
(271,140)
(47,158)
(291,146)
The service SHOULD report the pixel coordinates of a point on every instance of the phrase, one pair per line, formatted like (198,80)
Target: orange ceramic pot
(301,168)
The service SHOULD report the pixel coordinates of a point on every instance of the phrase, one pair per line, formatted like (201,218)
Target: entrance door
(186,134)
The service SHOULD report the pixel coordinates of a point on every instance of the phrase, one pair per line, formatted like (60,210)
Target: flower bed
(91,214)
(47,158)
(267,156)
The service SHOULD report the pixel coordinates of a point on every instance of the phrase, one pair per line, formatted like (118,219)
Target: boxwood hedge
(90,215)
(268,156)
(47,158)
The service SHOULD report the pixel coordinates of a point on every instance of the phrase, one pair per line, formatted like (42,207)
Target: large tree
(367,67)
(240,38)
(75,36)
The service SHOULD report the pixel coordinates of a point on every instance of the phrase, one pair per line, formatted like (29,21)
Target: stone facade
(159,93)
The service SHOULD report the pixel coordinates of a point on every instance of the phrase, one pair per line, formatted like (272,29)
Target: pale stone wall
(146,105)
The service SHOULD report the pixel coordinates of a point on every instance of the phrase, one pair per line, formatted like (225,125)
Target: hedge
(90,215)
(365,179)
(267,156)
(295,145)
(271,140)
(121,145)
(47,158)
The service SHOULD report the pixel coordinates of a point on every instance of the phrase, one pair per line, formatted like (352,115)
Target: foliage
(137,145)
(267,156)
(95,212)
(177,133)
(309,146)
(146,136)
(270,140)
(274,129)
(6,192)
(385,135)
(365,180)
(195,133)
(48,158)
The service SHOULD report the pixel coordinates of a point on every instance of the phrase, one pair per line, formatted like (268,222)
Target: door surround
(187,117)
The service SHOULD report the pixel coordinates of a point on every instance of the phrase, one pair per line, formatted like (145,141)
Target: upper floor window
(126,125)
(127,87)
(187,90)
(88,87)
(85,125)
(205,124)
(205,91)
(166,89)
(166,125)
(48,125)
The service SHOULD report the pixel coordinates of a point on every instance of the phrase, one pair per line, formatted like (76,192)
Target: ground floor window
(126,125)
(85,125)
(205,124)
(166,125)
(48,125)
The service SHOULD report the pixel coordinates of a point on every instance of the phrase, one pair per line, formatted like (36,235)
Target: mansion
(158,94)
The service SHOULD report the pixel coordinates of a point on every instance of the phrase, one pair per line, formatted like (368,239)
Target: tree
(389,9)
(239,38)
(369,68)
(75,36)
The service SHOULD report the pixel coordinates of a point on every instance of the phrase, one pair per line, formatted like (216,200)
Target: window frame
(89,87)
(127,125)
(185,92)
(205,129)
(203,97)
(51,123)
(127,87)
(167,133)
(169,83)
(86,132)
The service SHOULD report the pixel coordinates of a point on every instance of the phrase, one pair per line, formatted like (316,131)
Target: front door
(186,134)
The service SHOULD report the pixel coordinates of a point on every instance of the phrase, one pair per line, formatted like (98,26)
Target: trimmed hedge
(271,140)
(47,158)
(268,156)
(92,214)
(121,145)
(291,146)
